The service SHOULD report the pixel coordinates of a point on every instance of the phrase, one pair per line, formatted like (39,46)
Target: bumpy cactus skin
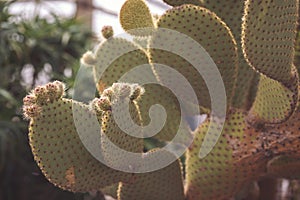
(215,38)
(272,56)
(56,145)
(135,16)
(149,186)
(252,44)
(118,93)
(236,159)
(113,58)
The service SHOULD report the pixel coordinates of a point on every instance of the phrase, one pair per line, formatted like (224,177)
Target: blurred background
(42,41)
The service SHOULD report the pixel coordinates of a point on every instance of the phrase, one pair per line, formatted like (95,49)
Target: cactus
(252,44)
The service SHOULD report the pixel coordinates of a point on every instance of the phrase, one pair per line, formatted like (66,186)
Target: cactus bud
(104,104)
(52,89)
(121,90)
(29,100)
(41,95)
(31,111)
(88,58)
(137,91)
(60,92)
(107,31)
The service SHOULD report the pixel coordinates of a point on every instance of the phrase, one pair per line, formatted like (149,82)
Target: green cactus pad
(112,59)
(165,183)
(135,18)
(236,159)
(268,37)
(156,94)
(179,3)
(274,103)
(211,33)
(56,145)
(120,103)
(231,12)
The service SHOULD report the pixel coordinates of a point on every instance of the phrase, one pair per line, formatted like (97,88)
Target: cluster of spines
(116,92)
(41,95)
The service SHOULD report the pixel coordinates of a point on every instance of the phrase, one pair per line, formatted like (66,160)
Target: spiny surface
(113,58)
(237,159)
(116,127)
(274,103)
(135,18)
(231,12)
(162,184)
(268,37)
(58,149)
(179,3)
(157,94)
(207,30)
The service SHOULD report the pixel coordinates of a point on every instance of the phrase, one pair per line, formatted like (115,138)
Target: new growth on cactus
(100,146)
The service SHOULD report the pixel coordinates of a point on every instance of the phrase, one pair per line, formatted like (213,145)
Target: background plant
(32,51)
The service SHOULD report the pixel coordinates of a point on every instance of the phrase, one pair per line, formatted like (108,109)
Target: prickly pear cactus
(252,45)
(56,145)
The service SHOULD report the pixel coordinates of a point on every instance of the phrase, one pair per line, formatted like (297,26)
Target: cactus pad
(207,30)
(274,102)
(112,59)
(179,3)
(231,12)
(156,94)
(165,183)
(268,37)
(235,160)
(56,145)
(121,103)
(135,18)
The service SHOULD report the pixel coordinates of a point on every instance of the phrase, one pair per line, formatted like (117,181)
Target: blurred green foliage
(32,51)
(36,43)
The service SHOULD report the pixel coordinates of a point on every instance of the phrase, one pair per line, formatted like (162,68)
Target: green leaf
(6,95)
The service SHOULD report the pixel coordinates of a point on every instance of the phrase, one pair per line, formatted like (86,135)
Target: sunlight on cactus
(252,43)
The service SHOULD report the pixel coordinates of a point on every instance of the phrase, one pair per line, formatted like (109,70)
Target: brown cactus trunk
(268,188)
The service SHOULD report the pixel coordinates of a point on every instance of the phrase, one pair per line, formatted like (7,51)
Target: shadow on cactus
(77,145)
